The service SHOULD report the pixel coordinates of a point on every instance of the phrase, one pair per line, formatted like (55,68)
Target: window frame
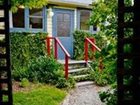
(27,22)
(91,27)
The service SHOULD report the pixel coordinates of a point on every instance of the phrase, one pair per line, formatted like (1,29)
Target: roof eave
(70,4)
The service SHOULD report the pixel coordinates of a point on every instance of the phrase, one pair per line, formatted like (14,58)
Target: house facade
(59,19)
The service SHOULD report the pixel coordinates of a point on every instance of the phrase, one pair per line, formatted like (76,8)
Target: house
(59,18)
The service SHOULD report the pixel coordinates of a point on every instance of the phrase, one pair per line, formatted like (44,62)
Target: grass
(42,95)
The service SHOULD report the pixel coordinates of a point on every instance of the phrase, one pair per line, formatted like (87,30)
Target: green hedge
(79,37)
(24,48)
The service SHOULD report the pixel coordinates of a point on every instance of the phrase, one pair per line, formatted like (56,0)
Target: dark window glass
(63,25)
(36,18)
(18,18)
(84,17)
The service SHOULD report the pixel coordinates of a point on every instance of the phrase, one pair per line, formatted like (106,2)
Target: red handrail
(57,42)
(92,42)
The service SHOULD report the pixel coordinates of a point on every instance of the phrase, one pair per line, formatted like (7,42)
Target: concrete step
(73,61)
(78,70)
(76,66)
(84,83)
(80,76)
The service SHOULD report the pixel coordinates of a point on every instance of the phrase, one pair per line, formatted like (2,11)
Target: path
(84,95)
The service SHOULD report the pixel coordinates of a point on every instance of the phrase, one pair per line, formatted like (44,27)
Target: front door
(63,27)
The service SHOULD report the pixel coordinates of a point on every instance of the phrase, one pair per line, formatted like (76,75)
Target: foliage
(24,48)
(104,64)
(104,15)
(47,70)
(15,4)
(79,37)
(63,83)
(24,83)
(28,3)
(41,95)
(109,97)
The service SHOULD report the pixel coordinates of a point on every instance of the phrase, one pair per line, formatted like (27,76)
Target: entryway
(63,26)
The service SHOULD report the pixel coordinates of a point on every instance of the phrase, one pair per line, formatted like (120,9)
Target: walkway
(84,95)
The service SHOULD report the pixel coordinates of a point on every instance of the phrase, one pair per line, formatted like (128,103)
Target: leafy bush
(24,48)
(109,97)
(105,64)
(79,37)
(24,82)
(47,70)
(63,83)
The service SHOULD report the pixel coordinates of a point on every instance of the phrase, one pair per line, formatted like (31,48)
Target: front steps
(79,70)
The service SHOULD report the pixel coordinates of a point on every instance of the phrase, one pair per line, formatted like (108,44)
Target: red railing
(90,41)
(56,43)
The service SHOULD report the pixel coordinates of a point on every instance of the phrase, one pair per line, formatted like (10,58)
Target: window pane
(59,17)
(36,23)
(63,25)
(84,17)
(36,12)
(18,18)
(36,18)
(66,17)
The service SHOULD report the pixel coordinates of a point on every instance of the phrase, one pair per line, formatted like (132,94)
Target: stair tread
(80,76)
(73,61)
(77,70)
(83,83)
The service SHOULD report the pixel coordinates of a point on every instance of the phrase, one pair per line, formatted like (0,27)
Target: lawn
(41,95)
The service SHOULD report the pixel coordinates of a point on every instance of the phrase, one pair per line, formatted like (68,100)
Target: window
(36,18)
(63,25)
(18,19)
(27,20)
(84,17)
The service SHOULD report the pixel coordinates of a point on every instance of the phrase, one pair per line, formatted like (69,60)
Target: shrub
(79,37)
(63,83)
(105,64)
(45,69)
(24,48)
(109,97)
(24,82)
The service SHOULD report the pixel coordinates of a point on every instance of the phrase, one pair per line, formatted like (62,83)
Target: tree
(28,3)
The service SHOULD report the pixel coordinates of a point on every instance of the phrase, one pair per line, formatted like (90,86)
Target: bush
(24,82)
(79,37)
(105,64)
(45,69)
(109,97)
(24,48)
(63,83)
